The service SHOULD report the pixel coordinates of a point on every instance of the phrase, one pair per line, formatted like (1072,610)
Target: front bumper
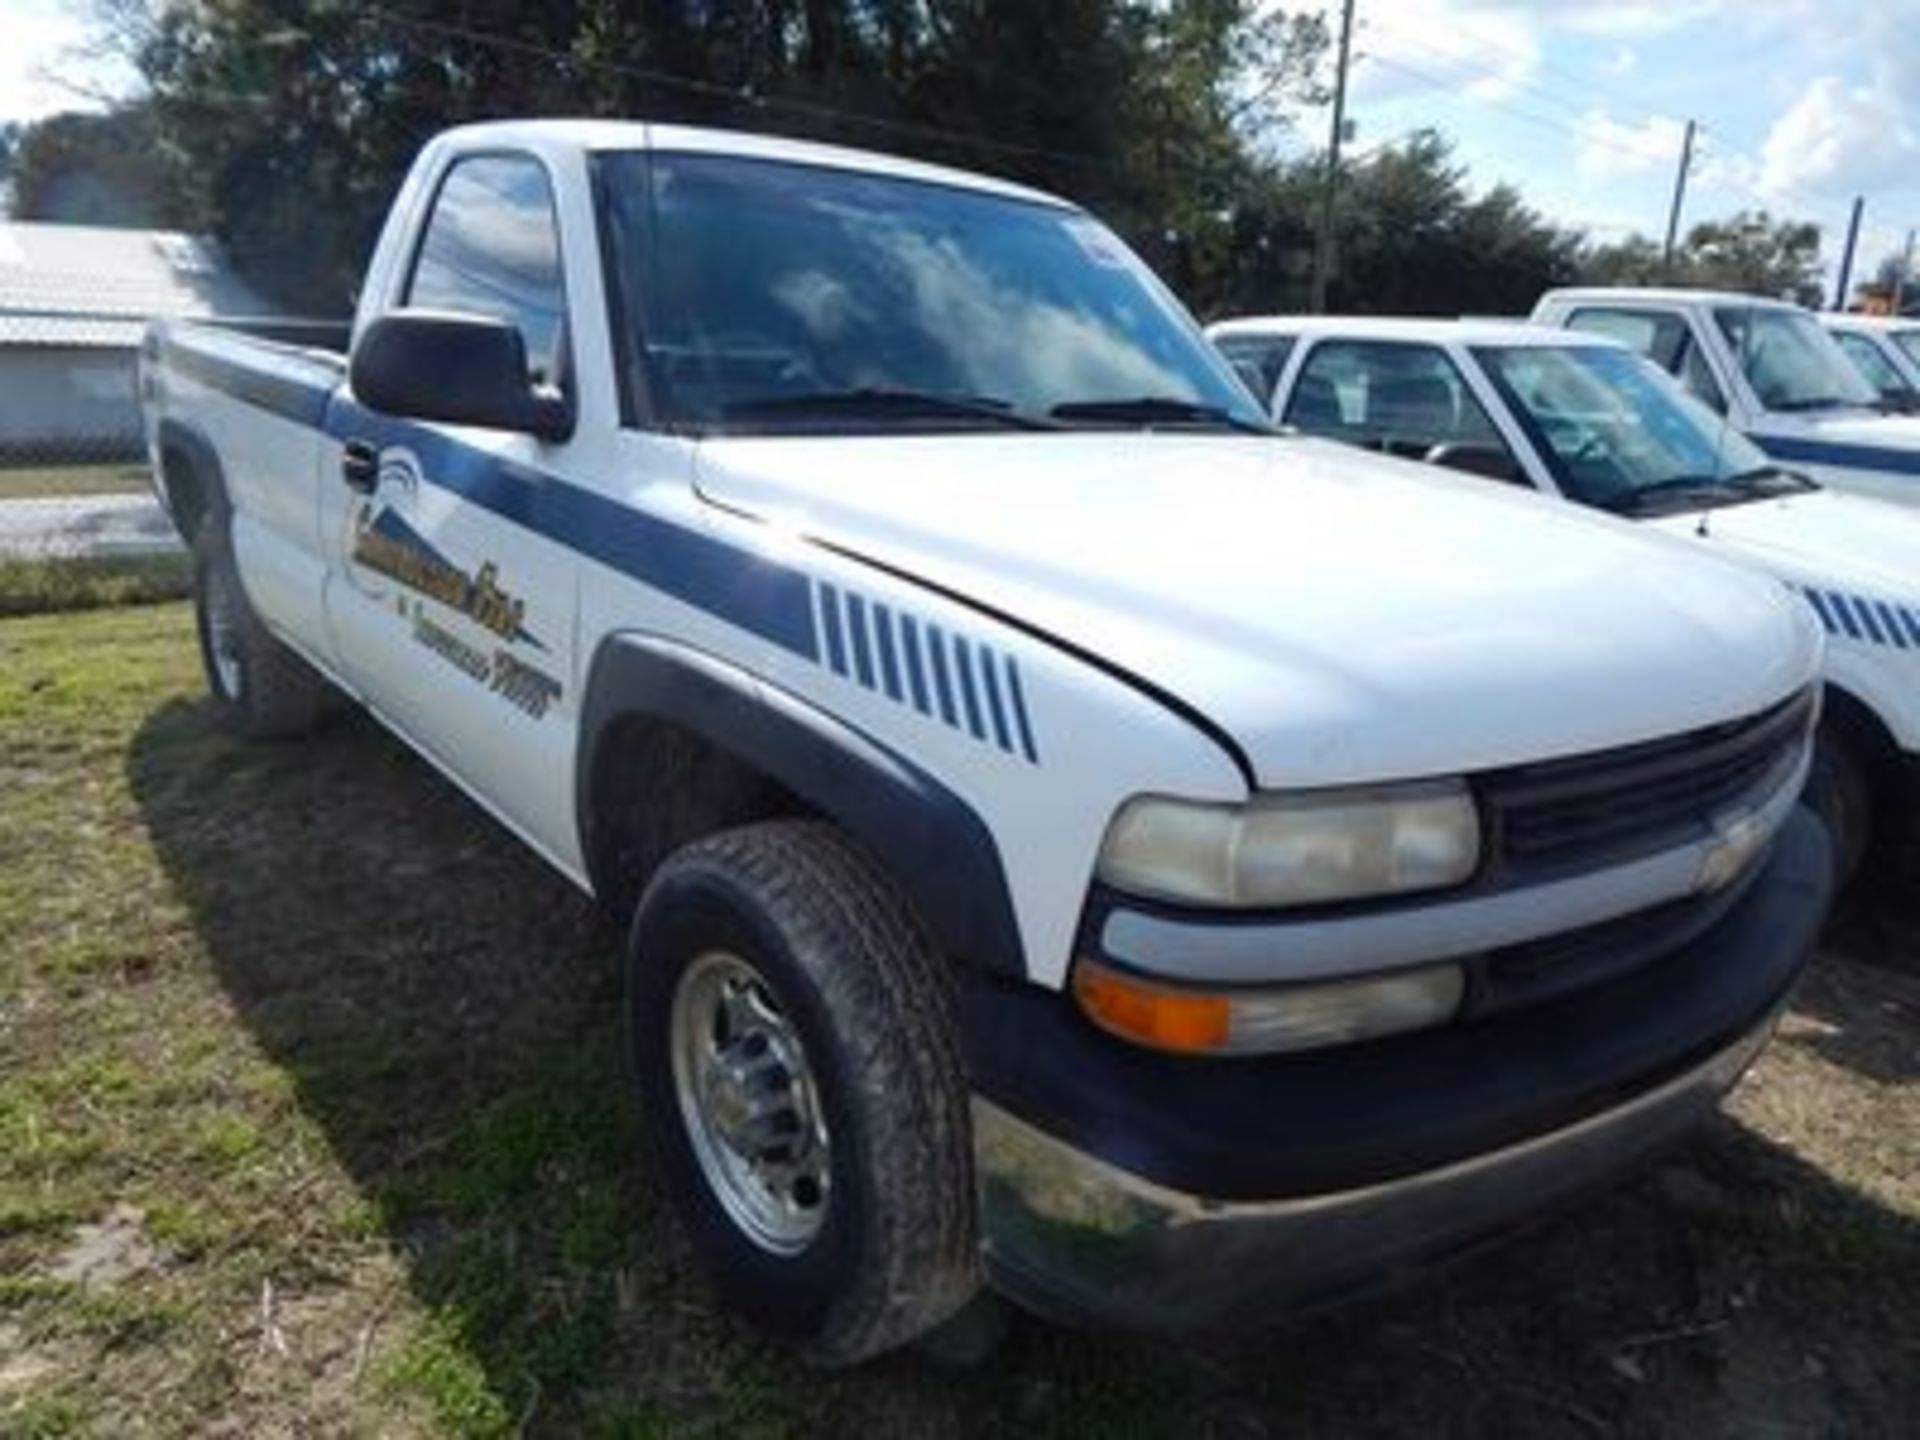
(1097,1224)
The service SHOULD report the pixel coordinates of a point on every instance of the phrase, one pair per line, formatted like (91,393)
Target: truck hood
(1344,617)
(1850,542)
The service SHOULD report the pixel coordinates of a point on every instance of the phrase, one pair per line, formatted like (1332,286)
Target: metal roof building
(74,302)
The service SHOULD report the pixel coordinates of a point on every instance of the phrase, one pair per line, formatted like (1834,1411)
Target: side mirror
(462,369)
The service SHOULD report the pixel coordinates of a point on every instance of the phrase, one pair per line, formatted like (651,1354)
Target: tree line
(282,127)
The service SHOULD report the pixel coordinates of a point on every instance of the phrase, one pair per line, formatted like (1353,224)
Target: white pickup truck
(1885,349)
(1068,839)
(1580,417)
(1769,368)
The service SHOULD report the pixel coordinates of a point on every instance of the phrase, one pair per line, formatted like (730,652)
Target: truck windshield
(1790,361)
(1908,341)
(1618,434)
(772,297)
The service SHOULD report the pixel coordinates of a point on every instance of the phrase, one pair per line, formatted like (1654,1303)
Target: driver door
(451,612)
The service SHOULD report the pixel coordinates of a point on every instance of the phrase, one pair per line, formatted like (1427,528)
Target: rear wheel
(260,688)
(792,1036)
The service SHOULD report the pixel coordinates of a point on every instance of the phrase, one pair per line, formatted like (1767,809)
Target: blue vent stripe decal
(916,677)
(1871,622)
(830,629)
(1020,711)
(973,688)
(889,667)
(990,683)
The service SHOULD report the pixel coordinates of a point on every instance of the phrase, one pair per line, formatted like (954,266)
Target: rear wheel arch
(192,480)
(676,745)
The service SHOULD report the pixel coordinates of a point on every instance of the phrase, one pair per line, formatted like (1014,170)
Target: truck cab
(1070,841)
(1770,370)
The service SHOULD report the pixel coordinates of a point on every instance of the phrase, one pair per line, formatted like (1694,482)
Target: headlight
(1192,1021)
(1294,849)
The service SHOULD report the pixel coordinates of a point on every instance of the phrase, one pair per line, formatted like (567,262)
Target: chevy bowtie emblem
(1736,840)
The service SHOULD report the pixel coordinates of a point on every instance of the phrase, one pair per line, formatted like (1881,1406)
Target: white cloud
(1839,138)
(1606,148)
(45,64)
(1485,52)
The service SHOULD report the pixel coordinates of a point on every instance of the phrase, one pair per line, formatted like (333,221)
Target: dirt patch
(108,1252)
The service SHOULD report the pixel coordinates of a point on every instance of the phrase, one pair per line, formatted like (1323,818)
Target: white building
(74,301)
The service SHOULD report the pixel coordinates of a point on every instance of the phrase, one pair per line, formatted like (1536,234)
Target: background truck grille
(1603,808)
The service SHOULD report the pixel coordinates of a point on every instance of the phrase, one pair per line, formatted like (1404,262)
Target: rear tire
(260,688)
(822,1168)
(1838,792)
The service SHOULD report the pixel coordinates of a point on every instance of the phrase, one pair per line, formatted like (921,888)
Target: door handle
(360,466)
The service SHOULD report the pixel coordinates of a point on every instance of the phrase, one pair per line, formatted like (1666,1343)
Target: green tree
(1749,251)
(84,169)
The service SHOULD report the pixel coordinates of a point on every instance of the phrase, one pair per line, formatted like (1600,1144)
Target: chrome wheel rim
(750,1103)
(223,633)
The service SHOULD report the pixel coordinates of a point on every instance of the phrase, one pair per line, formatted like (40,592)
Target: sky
(1580,104)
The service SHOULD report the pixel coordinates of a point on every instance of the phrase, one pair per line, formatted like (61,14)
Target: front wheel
(1839,793)
(792,1036)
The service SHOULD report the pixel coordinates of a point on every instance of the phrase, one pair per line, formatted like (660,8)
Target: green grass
(37,481)
(352,1057)
(43,585)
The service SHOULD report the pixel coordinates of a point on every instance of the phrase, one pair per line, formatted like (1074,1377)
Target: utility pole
(1846,256)
(1679,197)
(1323,239)
(1900,276)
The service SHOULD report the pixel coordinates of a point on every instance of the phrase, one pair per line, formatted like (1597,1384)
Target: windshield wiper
(1677,491)
(876,403)
(1156,409)
(1816,402)
(1772,480)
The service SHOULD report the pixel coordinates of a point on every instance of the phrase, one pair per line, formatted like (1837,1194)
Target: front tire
(1839,793)
(791,1032)
(260,688)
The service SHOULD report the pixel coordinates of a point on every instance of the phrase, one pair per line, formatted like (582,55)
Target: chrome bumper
(1066,1233)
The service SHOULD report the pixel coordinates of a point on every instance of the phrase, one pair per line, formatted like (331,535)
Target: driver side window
(492,247)
(1401,399)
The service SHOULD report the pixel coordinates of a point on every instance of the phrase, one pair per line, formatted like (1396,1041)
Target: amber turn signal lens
(1148,1014)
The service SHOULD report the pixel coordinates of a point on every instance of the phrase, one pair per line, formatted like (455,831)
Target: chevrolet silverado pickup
(1581,417)
(1070,842)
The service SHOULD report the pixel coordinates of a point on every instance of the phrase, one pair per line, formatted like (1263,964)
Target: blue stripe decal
(288,397)
(916,677)
(889,668)
(758,595)
(1890,621)
(830,628)
(963,669)
(1870,620)
(989,661)
(1845,612)
(1838,454)
(937,646)
(1913,626)
(1820,608)
(1020,711)
(862,648)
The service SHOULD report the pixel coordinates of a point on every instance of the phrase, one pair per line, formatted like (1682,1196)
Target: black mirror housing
(461,369)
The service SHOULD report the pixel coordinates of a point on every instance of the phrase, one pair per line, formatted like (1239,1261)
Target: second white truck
(1583,418)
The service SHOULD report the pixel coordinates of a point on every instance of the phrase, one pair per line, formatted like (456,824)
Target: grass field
(312,1120)
(31,482)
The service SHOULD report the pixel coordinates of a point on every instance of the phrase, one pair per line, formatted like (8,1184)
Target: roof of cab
(601,135)
(1430,332)
(1879,324)
(1644,294)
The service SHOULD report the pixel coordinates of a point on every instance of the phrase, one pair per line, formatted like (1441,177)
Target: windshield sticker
(1098,243)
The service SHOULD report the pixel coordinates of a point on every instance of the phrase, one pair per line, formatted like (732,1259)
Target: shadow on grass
(447,1009)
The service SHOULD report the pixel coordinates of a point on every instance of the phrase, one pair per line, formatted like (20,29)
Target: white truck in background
(1573,415)
(1069,840)
(1769,368)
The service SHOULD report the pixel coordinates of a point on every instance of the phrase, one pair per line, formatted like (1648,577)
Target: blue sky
(1579,103)
(1802,105)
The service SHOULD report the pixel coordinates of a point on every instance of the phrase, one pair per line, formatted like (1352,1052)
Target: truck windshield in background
(1618,435)
(766,296)
(1790,361)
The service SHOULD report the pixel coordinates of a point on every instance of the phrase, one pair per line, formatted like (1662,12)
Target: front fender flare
(931,841)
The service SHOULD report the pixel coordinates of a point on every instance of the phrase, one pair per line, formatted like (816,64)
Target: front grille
(1599,809)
